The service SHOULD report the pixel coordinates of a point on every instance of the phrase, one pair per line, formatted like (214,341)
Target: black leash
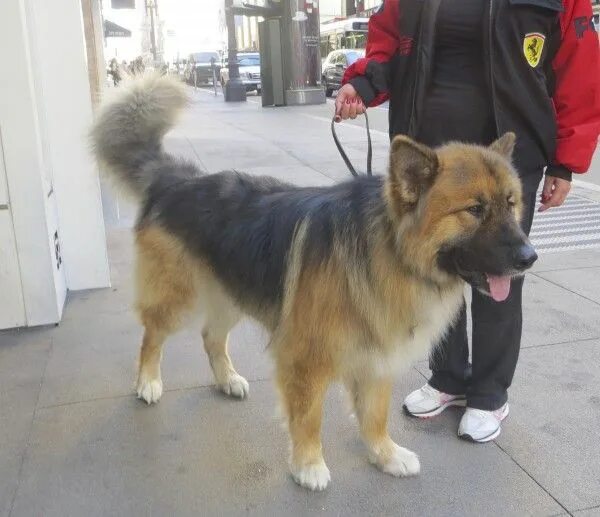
(345,156)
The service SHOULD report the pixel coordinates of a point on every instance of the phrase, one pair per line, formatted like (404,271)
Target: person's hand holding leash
(348,103)
(554,193)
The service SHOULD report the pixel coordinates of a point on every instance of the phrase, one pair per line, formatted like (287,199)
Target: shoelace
(430,390)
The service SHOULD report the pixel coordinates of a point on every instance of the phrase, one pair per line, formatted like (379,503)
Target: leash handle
(345,156)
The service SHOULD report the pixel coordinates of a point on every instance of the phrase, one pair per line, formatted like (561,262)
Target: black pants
(496,343)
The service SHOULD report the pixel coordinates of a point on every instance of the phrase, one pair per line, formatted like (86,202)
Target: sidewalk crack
(569,342)
(132,394)
(30,430)
(202,164)
(587,508)
(532,478)
(566,289)
(567,268)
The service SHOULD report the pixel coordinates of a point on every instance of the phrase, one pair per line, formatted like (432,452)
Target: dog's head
(463,204)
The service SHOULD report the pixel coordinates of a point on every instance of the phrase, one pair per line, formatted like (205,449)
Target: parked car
(199,67)
(335,65)
(249,64)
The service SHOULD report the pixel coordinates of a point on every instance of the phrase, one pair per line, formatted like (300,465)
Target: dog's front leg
(371,398)
(302,390)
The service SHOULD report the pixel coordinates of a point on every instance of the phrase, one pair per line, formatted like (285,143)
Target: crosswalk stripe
(559,248)
(583,210)
(560,217)
(573,226)
(582,223)
(566,238)
(559,232)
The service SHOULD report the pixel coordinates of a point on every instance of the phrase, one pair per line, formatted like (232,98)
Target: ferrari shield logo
(533,44)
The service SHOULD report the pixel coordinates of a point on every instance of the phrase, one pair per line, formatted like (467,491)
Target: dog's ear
(413,168)
(504,145)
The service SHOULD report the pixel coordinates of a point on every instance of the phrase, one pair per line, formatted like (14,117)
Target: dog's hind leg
(371,399)
(149,381)
(220,315)
(302,388)
(166,289)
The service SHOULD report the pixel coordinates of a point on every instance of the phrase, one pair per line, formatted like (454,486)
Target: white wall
(47,175)
(65,91)
(40,283)
(11,295)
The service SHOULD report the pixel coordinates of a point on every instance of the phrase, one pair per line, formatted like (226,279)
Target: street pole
(150,6)
(301,52)
(235,91)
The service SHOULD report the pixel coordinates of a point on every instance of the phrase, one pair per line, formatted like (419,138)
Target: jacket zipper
(412,132)
(491,58)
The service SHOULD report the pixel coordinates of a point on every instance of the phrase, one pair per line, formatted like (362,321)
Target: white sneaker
(482,426)
(427,402)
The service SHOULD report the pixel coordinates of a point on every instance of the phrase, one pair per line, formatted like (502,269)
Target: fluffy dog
(353,281)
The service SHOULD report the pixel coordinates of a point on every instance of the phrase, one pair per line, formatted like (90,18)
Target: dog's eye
(511,201)
(476,210)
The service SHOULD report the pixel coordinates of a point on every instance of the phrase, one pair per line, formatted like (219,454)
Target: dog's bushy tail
(130,125)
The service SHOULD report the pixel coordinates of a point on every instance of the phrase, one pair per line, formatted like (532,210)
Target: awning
(112,30)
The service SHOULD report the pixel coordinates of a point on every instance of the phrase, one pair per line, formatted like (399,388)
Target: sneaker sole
(436,411)
(489,438)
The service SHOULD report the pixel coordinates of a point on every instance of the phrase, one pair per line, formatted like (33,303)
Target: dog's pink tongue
(499,287)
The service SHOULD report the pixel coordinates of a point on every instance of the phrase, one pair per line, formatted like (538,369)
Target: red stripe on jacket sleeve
(577,93)
(383,41)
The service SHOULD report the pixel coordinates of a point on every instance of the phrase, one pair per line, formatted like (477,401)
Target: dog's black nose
(524,257)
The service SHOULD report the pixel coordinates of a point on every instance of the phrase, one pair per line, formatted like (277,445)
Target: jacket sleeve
(576,97)
(369,75)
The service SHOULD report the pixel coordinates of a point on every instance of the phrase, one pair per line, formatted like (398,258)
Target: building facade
(52,237)
(334,9)
(246,29)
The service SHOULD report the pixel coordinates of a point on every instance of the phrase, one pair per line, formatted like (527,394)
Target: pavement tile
(199,453)
(23,357)
(554,315)
(182,149)
(589,512)
(120,245)
(567,260)
(551,314)
(300,175)
(218,154)
(554,425)
(14,430)
(95,356)
(585,282)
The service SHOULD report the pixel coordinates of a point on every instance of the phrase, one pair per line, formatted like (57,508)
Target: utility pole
(235,91)
(350,7)
(150,6)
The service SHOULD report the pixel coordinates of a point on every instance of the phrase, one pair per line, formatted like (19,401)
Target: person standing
(470,70)
(114,71)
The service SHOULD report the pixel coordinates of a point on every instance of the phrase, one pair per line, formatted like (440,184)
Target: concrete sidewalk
(75,441)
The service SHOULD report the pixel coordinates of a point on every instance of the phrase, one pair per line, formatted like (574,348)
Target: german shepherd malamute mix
(353,281)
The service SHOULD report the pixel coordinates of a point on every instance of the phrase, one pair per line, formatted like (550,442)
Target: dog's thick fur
(349,279)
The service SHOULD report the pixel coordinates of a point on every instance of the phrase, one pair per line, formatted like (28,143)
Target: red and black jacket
(549,95)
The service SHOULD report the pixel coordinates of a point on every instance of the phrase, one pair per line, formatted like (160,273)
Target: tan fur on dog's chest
(412,339)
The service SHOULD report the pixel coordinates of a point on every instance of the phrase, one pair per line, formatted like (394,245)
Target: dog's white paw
(400,463)
(314,477)
(150,390)
(235,386)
